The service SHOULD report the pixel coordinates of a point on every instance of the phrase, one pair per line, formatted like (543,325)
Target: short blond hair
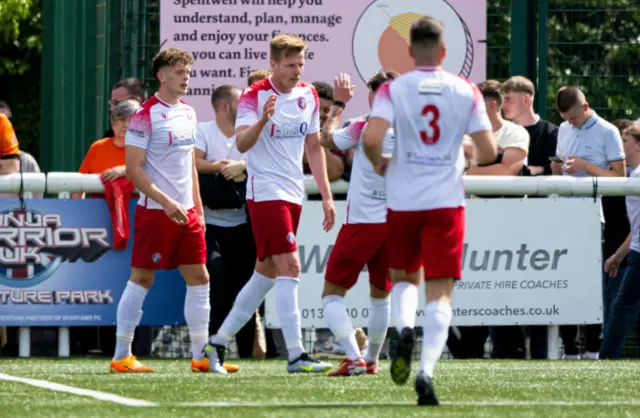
(518,84)
(285,45)
(257,75)
(170,57)
(633,131)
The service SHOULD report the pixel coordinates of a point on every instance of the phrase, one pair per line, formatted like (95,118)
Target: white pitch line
(122,400)
(57,387)
(378,404)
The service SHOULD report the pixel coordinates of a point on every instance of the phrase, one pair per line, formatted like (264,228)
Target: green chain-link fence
(593,44)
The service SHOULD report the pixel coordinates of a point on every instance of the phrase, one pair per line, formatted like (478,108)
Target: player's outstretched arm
(134,158)
(486,148)
(318,165)
(247,135)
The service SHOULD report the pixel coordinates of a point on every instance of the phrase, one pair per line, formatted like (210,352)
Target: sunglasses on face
(114,102)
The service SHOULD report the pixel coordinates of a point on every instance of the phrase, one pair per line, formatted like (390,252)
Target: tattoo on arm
(331,125)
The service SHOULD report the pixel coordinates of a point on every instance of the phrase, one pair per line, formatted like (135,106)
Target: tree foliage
(21,29)
(594,44)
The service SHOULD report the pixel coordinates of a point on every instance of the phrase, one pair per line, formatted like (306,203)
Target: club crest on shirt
(302,103)
(156,257)
(291,237)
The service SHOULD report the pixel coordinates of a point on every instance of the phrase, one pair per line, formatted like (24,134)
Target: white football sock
(404,304)
(435,331)
(196,313)
(289,315)
(378,325)
(245,305)
(340,324)
(128,317)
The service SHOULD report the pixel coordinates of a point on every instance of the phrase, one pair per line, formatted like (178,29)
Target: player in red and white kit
(276,118)
(169,221)
(430,110)
(361,240)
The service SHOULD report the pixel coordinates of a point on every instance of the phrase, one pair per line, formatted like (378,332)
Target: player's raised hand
(342,88)
(175,212)
(269,107)
(329,214)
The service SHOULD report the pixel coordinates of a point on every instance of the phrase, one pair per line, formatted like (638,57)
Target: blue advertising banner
(58,267)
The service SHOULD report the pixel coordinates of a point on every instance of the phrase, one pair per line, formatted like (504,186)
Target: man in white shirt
(626,306)
(430,110)
(512,139)
(230,248)
(277,117)
(362,238)
(513,147)
(169,219)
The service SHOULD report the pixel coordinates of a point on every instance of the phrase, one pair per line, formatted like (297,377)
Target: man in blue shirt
(588,146)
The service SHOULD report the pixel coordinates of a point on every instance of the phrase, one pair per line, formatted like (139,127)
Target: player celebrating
(361,240)
(431,110)
(159,147)
(276,117)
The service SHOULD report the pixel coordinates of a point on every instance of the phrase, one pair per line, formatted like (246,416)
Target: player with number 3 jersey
(430,110)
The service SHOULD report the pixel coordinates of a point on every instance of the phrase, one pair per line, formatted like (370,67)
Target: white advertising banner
(526,262)
(229,39)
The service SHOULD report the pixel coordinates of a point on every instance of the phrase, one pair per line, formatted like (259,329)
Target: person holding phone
(588,145)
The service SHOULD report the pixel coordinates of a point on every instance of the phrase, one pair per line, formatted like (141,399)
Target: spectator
(106,156)
(9,150)
(616,230)
(589,146)
(231,251)
(27,163)
(512,139)
(126,89)
(335,158)
(258,75)
(5,110)
(517,105)
(513,147)
(625,307)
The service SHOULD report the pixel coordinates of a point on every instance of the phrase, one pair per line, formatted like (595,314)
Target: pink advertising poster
(230,38)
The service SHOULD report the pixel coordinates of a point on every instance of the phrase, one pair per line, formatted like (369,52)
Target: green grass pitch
(264,389)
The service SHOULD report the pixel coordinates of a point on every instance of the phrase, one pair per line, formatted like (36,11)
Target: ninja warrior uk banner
(58,267)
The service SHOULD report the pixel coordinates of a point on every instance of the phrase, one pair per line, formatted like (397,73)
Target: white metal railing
(482,185)
(63,183)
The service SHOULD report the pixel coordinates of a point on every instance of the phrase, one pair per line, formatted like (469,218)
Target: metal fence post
(543,57)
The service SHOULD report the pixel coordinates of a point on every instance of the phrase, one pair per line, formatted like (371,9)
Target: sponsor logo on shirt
(176,140)
(136,132)
(415,158)
(289,130)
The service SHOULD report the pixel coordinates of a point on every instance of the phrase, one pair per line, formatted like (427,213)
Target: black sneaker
(401,356)
(424,389)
